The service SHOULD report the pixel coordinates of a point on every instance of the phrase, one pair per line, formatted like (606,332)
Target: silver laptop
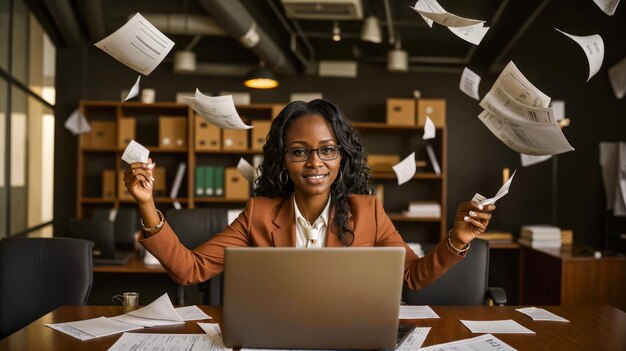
(331,298)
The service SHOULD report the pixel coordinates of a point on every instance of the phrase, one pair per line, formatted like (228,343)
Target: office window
(4,34)
(32,140)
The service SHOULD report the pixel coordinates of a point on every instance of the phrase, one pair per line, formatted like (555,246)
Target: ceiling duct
(184,24)
(324,9)
(235,19)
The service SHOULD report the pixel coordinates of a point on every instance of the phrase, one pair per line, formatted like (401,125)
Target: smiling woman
(313,192)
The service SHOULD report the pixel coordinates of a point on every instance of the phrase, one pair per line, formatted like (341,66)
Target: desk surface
(590,328)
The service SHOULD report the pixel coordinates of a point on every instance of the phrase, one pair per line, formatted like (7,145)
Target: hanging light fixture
(184,61)
(261,78)
(398,59)
(336,31)
(371,30)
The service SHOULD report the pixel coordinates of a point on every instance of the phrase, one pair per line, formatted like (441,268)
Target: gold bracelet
(454,249)
(153,230)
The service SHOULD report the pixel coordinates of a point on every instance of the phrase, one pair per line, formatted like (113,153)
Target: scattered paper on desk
(417,312)
(607,6)
(505,326)
(469,83)
(214,331)
(405,170)
(164,342)
(135,152)
(414,340)
(77,123)
(529,160)
(192,313)
(144,322)
(540,314)
(247,170)
(429,129)
(160,308)
(102,326)
(138,45)
(503,191)
(217,110)
(593,46)
(71,331)
(485,342)
(617,78)
(134,91)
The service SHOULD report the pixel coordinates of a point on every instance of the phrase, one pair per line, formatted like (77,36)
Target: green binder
(219,181)
(209,184)
(200,181)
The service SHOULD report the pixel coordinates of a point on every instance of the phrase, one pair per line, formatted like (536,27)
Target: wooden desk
(135,265)
(590,328)
(572,276)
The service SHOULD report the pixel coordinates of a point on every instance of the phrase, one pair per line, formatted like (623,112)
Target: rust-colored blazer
(271,222)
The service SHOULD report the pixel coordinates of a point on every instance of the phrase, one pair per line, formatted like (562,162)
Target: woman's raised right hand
(139,181)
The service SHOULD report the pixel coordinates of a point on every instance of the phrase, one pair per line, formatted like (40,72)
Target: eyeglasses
(302,154)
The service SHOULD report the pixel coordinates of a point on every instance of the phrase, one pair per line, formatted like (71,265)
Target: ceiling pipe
(66,22)
(184,25)
(94,16)
(392,36)
(235,19)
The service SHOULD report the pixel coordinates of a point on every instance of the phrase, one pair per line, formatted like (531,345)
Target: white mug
(148,96)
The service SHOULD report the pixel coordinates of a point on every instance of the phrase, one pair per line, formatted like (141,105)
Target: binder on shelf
(433,159)
(178,179)
(209,181)
(199,184)
(219,180)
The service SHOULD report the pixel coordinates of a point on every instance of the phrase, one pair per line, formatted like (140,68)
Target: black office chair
(194,227)
(463,284)
(38,275)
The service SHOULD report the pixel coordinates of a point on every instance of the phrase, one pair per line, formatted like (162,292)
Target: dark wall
(475,157)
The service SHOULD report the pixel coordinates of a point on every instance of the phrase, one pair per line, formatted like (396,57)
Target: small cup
(130,300)
(148,96)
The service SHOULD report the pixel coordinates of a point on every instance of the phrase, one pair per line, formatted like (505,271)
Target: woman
(312,192)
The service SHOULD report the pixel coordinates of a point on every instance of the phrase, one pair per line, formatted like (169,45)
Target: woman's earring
(340,178)
(280,177)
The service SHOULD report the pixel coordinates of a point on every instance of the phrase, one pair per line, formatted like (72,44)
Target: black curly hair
(356,176)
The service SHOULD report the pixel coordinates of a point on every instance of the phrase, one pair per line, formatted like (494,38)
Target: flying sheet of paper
(134,91)
(504,189)
(540,314)
(472,34)
(529,160)
(607,6)
(138,45)
(429,129)
(517,86)
(160,308)
(192,313)
(247,170)
(593,46)
(500,103)
(558,108)
(507,326)
(213,330)
(217,110)
(405,170)
(164,342)
(414,340)
(485,342)
(77,123)
(135,152)
(433,159)
(469,83)
(417,312)
(432,10)
(617,78)
(620,191)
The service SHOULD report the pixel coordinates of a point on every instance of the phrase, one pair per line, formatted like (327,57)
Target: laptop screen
(330,298)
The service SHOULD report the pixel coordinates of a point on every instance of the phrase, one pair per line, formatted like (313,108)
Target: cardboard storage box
(259,132)
(108,184)
(237,187)
(126,131)
(207,136)
(435,109)
(401,112)
(172,132)
(382,163)
(122,193)
(103,135)
(160,182)
(235,139)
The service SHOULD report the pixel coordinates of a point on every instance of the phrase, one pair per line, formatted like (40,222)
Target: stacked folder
(541,236)
(209,181)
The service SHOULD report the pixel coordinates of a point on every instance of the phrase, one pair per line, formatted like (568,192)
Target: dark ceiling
(305,42)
